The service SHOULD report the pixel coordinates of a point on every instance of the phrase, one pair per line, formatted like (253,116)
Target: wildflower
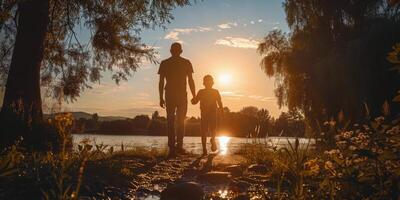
(347,134)
(348,162)
(312,166)
(394,56)
(332,152)
(380,119)
(328,165)
(352,148)
(358,160)
(332,123)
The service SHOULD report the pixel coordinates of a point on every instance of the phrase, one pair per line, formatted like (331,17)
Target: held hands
(193,101)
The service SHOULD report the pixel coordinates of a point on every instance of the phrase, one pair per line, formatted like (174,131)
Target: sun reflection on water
(223,142)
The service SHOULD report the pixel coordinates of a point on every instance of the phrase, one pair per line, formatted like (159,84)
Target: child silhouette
(210,101)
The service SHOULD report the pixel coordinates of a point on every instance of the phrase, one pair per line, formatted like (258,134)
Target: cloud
(268,99)
(252,22)
(108,88)
(141,95)
(260,20)
(227,25)
(238,42)
(175,33)
(131,112)
(230,94)
(261,98)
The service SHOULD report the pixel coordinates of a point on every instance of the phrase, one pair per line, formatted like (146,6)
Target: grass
(88,171)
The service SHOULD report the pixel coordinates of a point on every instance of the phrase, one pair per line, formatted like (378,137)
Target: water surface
(227,145)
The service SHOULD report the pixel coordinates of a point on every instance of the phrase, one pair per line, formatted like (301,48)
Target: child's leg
(204,130)
(213,130)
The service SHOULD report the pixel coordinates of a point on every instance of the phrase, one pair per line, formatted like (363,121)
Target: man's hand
(162,103)
(193,102)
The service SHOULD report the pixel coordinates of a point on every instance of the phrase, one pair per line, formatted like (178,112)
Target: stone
(234,170)
(183,191)
(258,168)
(215,177)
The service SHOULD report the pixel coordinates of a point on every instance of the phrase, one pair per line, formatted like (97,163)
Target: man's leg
(171,126)
(181,115)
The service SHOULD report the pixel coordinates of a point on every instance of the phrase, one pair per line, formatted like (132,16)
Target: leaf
(8,172)
(396,98)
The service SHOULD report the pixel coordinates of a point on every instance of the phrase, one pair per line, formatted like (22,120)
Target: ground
(219,176)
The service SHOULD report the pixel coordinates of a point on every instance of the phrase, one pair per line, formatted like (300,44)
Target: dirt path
(149,184)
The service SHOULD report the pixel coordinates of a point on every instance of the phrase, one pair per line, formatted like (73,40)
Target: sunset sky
(220,38)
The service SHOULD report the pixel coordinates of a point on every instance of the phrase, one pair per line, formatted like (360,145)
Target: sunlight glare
(223,144)
(225,79)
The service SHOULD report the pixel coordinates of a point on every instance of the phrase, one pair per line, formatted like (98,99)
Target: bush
(40,136)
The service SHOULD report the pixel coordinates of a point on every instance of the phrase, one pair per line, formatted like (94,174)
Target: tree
(141,121)
(334,58)
(250,111)
(43,49)
(155,115)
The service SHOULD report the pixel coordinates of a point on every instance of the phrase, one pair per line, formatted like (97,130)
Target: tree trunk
(23,83)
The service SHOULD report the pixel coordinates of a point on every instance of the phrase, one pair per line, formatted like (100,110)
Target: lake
(227,145)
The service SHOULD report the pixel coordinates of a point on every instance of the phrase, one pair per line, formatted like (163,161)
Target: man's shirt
(176,70)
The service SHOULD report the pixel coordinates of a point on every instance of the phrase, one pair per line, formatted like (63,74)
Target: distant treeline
(248,122)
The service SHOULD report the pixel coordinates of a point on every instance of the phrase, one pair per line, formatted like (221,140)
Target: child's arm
(219,101)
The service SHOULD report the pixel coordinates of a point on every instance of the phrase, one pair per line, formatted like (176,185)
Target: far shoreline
(120,133)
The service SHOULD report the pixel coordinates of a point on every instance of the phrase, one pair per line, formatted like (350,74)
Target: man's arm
(161,90)
(191,85)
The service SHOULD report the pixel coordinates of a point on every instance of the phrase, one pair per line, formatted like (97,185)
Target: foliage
(87,37)
(365,162)
(38,136)
(394,58)
(333,59)
(362,164)
(256,123)
(69,174)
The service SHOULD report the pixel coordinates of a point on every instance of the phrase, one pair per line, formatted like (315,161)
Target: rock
(143,191)
(190,172)
(183,191)
(260,177)
(215,177)
(258,168)
(235,170)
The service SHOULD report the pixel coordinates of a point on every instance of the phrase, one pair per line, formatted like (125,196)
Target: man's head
(176,49)
(208,81)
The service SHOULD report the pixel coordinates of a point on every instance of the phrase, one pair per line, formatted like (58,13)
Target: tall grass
(63,174)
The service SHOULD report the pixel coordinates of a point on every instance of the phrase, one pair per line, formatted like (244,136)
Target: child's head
(208,81)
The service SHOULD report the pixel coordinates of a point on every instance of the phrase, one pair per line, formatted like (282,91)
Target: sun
(225,79)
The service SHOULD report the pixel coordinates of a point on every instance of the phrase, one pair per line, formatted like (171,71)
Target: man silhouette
(176,71)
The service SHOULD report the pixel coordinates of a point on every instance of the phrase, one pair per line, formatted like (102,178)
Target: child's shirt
(208,99)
